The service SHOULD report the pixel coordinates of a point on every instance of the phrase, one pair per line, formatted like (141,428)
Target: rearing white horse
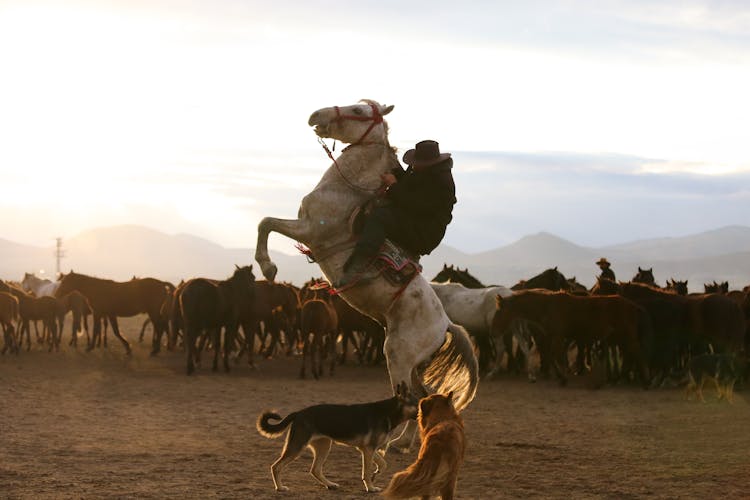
(418,332)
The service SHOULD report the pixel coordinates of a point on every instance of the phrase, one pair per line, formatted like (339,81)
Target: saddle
(395,264)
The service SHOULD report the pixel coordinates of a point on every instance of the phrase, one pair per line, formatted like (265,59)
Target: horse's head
(678,287)
(26,282)
(645,276)
(356,124)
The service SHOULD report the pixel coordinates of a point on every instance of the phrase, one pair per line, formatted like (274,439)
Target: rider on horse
(418,208)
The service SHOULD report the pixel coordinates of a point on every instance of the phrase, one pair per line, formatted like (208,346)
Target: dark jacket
(607,274)
(424,198)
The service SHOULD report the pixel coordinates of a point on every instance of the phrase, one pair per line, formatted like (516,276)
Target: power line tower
(59,254)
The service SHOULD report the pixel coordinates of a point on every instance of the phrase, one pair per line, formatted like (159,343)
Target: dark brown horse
(678,287)
(274,309)
(8,316)
(112,299)
(371,333)
(588,320)
(319,329)
(645,276)
(76,303)
(715,287)
(207,306)
(549,279)
(685,326)
(450,274)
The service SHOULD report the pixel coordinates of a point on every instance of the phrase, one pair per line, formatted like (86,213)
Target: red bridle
(376,118)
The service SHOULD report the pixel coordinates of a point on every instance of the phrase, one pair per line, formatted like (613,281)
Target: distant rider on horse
(418,207)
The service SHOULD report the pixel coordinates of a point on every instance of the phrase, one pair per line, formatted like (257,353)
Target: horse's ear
(236,267)
(555,268)
(386,110)
(639,269)
(450,397)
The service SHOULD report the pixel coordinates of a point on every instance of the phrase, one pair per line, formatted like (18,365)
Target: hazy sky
(609,120)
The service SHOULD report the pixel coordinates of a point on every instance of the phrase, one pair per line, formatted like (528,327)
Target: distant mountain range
(120,252)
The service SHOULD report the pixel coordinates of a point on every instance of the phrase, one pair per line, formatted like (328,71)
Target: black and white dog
(364,426)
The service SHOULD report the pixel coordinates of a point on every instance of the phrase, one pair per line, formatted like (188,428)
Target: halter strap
(376,119)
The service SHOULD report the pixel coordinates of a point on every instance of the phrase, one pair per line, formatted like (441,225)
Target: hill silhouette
(121,252)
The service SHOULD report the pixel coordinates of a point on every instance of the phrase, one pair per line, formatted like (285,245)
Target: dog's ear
(424,406)
(450,397)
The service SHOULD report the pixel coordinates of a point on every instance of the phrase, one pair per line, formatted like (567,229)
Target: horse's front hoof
(269,270)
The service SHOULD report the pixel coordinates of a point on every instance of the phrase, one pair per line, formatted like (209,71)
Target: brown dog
(443,443)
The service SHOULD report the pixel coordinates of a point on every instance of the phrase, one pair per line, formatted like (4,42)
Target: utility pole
(59,254)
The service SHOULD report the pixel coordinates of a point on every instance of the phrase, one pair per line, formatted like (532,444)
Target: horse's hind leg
(116,331)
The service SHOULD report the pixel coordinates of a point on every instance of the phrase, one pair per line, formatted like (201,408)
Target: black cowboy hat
(603,261)
(425,153)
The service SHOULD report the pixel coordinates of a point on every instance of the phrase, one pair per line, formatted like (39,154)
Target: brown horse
(76,303)
(686,326)
(678,287)
(44,309)
(276,307)
(319,328)
(8,316)
(209,305)
(450,274)
(645,277)
(549,279)
(112,299)
(715,287)
(588,320)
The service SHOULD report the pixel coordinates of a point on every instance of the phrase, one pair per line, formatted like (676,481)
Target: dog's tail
(454,367)
(269,430)
(420,479)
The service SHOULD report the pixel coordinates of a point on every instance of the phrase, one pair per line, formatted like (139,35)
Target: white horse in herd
(39,286)
(422,347)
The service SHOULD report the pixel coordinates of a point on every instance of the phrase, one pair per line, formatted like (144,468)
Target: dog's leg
(405,442)
(368,469)
(721,394)
(379,461)
(730,392)
(292,448)
(699,390)
(320,448)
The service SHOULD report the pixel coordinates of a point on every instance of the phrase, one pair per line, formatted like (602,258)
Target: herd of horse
(636,330)
(423,329)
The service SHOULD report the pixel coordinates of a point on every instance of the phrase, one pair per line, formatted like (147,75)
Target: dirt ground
(102,425)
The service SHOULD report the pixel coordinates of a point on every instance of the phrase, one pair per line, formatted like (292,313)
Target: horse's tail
(269,430)
(454,367)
